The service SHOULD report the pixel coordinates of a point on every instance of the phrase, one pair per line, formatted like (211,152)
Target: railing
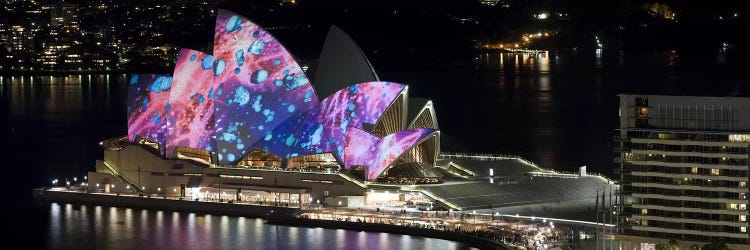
(122,178)
(718,151)
(558,175)
(436,198)
(459,167)
(355,181)
(620,138)
(487,157)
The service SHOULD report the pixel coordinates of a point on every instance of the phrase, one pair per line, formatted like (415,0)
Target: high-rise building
(490,2)
(65,16)
(683,166)
(21,38)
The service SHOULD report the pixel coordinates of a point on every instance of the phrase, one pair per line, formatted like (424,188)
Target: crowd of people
(526,237)
(509,233)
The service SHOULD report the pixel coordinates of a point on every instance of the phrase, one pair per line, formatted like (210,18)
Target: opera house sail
(248,106)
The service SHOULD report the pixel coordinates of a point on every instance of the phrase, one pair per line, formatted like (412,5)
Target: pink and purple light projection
(324,129)
(148,98)
(365,149)
(261,82)
(191,119)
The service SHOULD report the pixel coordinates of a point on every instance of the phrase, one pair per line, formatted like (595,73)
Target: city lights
(249,128)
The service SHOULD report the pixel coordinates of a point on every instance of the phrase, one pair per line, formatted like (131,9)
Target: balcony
(620,138)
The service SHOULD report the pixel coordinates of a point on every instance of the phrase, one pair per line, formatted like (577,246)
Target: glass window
(641,101)
(715,171)
(694,170)
(743,217)
(739,138)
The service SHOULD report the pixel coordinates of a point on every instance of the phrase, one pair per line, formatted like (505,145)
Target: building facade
(245,123)
(683,167)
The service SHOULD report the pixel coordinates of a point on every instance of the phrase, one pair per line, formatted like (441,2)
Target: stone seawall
(46,196)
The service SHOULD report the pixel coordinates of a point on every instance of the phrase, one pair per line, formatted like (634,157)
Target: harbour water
(125,228)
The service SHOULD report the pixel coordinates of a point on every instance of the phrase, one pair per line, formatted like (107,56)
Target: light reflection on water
(74,226)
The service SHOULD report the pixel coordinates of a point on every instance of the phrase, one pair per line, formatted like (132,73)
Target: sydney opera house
(248,109)
(245,123)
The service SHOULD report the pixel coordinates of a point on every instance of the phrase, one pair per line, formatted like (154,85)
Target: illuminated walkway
(511,231)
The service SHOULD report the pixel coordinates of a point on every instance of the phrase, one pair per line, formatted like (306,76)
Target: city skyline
(579,124)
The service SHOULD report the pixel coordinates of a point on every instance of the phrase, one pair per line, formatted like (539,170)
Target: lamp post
(220,198)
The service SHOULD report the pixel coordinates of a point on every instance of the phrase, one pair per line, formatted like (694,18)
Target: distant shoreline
(71,72)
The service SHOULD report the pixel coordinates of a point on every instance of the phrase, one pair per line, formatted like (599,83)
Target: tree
(661,246)
(671,245)
(694,247)
(715,245)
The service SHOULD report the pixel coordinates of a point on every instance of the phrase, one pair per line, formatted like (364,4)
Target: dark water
(557,109)
(125,228)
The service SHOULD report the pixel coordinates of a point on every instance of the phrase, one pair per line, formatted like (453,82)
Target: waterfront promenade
(511,233)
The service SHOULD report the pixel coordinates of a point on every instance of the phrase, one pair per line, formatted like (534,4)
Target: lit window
(714,171)
(644,211)
(739,138)
(743,184)
(732,206)
(743,206)
(743,229)
(644,111)
(743,217)
(694,170)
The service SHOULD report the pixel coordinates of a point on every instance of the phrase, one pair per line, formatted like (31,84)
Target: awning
(270,189)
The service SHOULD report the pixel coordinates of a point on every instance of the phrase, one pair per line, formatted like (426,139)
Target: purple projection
(191,121)
(259,84)
(364,149)
(325,129)
(251,93)
(282,139)
(148,97)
